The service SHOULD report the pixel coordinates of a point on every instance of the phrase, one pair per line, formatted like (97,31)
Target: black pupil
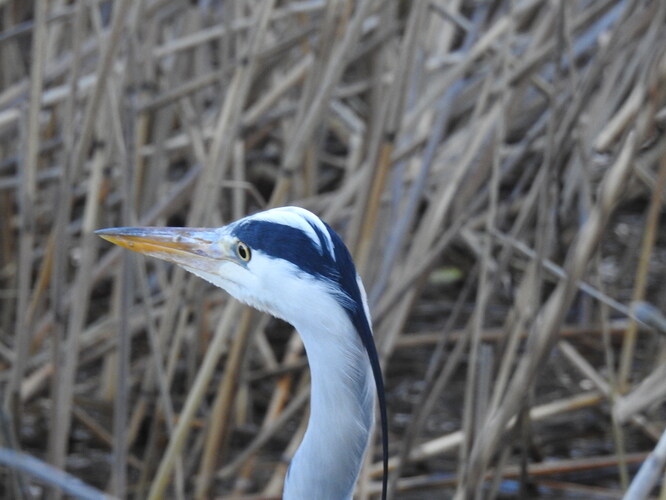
(242,252)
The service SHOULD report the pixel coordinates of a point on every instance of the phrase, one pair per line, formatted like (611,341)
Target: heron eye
(243,251)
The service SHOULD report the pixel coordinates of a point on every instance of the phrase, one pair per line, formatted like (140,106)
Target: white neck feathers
(327,464)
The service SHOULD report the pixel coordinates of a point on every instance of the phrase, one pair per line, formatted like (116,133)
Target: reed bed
(497,169)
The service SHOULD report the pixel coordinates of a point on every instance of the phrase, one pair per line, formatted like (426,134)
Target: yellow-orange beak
(197,248)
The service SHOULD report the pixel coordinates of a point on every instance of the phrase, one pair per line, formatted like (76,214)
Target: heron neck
(327,464)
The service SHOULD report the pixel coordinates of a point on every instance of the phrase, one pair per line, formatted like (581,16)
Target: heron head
(279,261)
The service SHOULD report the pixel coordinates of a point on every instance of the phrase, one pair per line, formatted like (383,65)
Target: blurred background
(496,167)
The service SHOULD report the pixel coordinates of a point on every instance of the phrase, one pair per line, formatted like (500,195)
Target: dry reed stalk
(539,472)
(177,441)
(437,377)
(27,216)
(450,442)
(647,246)
(424,339)
(221,411)
(27,227)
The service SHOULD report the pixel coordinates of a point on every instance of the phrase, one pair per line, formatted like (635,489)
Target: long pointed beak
(192,247)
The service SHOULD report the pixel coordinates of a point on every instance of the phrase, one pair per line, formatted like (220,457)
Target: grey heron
(288,262)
